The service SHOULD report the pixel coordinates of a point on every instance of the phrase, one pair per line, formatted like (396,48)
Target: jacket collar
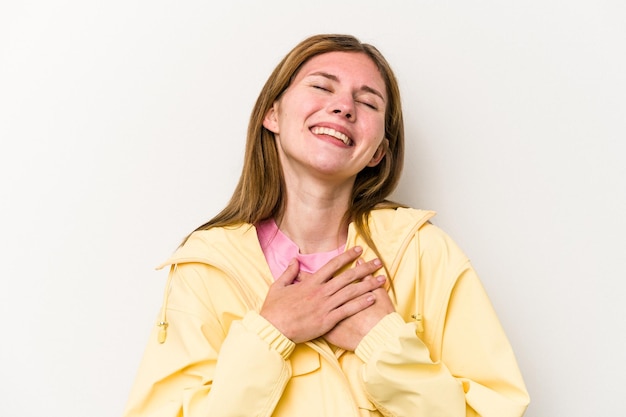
(236,247)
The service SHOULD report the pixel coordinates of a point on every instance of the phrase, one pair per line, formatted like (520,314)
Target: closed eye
(319,87)
(370,105)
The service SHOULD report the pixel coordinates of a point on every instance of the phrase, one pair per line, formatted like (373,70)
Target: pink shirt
(279,250)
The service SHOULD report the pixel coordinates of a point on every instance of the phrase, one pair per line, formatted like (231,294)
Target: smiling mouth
(332,132)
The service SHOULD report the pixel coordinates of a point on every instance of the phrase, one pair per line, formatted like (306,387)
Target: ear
(270,121)
(379,154)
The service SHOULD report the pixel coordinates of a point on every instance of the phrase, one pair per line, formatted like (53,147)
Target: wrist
(277,341)
(380,335)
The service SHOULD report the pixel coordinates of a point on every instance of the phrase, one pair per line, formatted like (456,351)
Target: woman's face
(330,122)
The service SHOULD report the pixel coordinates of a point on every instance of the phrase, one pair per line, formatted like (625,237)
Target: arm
(478,352)
(399,376)
(212,361)
(219,358)
(477,374)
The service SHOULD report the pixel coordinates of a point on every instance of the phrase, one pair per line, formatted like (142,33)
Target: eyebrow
(365,88)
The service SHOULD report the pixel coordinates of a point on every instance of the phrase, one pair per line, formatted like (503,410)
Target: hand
(349,332)
(304,310)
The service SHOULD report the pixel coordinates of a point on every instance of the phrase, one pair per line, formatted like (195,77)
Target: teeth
(331,132)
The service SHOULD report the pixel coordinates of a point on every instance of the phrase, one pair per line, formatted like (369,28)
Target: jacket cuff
(255,323)
(388,328)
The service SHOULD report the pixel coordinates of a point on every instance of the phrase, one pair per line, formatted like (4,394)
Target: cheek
(296,111)
(311,105)
(377,128)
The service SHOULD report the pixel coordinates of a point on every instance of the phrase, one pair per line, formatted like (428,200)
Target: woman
(310,294)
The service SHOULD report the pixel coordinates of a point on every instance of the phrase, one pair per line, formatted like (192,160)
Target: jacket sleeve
(212,363)
(475,373)
(399,376)
(478,353)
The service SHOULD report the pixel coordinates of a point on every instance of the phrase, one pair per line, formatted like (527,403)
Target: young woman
(310,294)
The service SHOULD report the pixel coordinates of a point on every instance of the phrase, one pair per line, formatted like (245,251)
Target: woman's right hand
(304,309)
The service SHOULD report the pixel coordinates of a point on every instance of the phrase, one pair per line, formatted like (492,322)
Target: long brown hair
(260,193)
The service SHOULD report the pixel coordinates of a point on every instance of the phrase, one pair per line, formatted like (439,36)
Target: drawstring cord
(162,323)
(419,294)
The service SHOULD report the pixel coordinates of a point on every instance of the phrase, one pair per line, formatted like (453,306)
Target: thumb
(290,274)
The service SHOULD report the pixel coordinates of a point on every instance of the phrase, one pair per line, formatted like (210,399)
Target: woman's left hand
(348,333)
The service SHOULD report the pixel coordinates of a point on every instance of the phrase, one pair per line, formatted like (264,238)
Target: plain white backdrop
(122,127)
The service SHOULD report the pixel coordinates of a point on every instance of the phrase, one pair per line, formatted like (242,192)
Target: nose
(344,106)
(346,113)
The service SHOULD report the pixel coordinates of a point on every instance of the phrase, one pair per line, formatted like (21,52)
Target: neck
(313,217)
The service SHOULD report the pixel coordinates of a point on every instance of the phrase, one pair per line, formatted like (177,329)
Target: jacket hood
(237,247)
(392,230)
(223,247)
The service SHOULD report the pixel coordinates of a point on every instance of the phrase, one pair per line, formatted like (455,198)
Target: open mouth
(318,130)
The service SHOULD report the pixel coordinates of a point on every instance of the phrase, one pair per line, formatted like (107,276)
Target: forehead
(348,67)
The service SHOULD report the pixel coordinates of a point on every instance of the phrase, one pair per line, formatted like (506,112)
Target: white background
(122,128)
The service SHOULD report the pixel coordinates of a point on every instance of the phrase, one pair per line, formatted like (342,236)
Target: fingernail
(377,262)
(371,298)
(358,249)
(381,278)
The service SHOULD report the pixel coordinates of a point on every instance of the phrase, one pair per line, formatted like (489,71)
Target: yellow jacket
(442,353)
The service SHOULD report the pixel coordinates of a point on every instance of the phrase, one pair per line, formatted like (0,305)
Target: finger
(361,262)
(356,290)
(335,264)
(352,275)
(290,274)
(352,307)
(302,275)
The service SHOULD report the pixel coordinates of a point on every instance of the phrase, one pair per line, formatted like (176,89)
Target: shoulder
(437,248)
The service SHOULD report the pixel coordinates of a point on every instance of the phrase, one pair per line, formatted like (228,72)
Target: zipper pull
(420,322)
(162,331)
